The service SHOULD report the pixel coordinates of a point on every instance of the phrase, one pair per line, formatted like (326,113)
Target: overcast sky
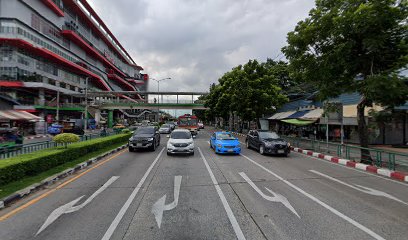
(195,41)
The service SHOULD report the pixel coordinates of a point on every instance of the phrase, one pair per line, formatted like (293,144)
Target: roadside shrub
(34,163)
(125,131)
(66,138)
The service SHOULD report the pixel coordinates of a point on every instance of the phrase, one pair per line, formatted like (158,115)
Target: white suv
(181,141)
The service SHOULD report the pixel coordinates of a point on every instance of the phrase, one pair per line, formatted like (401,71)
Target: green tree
(66,138)
(353,45)
(249,90)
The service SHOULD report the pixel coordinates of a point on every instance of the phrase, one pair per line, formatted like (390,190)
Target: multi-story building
(53,49)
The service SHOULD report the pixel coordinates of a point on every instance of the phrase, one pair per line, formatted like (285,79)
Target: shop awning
(298,122)
(17,115)
(298,114)
(283,115)
(313,114)
(276,115)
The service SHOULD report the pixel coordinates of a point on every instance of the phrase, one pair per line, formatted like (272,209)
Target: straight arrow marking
(360,188)
(160,206)
(69,207)
(275,198)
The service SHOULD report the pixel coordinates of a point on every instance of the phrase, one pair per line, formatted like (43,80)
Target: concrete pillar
(110,118)
(97,116)
(41,97)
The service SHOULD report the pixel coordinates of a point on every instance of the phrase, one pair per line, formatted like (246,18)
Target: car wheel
(262,149)
(192,154)
(131,149)
(247,144)
(168,154)
(154,146)
(211,145)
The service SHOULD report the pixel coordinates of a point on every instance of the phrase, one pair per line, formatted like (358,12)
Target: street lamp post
(158,95)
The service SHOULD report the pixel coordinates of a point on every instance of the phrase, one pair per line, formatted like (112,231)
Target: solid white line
(118,218)
(231,217)
(341,215)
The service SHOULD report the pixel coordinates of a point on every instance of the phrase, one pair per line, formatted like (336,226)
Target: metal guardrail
(380,158)
(17,149)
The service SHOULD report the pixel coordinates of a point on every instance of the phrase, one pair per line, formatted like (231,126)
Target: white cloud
(195,41)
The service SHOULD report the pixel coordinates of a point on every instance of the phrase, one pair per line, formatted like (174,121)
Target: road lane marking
(360,188)
(231,216)
(160,206)
(35,200)
(336,212)
(69,207)
(118,218)
(275,198)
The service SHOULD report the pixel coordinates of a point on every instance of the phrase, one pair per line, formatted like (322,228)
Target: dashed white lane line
(339,214)
(231,216)
(118,218)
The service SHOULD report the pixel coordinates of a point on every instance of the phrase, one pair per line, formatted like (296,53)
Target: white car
(180,141)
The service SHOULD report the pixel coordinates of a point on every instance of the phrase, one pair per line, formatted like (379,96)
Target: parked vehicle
(165,128)
(181,141)
(224,142)
(267,142)
(189,122)
(144,137)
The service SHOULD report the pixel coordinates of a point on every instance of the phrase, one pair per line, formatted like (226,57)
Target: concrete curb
(372,169)
(51,180)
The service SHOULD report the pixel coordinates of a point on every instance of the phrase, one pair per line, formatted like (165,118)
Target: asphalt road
(149,195)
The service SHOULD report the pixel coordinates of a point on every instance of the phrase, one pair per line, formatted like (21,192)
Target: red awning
(17,115)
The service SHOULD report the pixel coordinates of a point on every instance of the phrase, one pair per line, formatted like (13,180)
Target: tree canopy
(249,90)
(353,45)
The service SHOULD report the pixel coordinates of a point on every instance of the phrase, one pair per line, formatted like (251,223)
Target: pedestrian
(19,138)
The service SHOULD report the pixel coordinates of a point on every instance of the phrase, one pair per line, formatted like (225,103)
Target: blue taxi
(225,142)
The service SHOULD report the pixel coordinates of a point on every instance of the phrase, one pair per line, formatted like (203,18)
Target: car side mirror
(168,136)
(157,132)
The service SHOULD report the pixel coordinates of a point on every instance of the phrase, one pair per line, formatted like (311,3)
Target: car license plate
(230,150)
(139,144)
(281,151)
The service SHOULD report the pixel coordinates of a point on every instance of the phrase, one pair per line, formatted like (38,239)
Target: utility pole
(86,104)
(158,95)
(58,100)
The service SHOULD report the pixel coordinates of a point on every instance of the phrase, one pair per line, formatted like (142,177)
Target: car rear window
(181,135)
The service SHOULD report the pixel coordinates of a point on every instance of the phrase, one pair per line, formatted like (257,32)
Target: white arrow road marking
(69,207)
(276,197)
(316,200)
(108,234)
(360,188)
(160,206)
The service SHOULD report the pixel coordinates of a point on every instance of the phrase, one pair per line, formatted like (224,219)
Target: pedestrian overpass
(122,100)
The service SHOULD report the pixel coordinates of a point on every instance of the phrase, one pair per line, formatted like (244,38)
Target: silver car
(180,141)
